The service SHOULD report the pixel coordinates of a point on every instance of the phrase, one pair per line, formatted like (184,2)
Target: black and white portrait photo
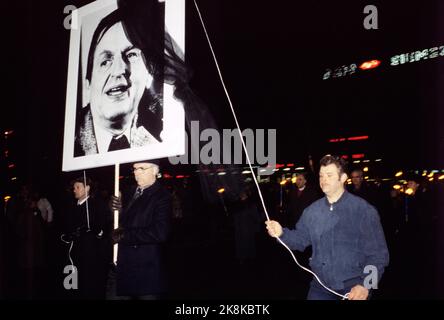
(119,106)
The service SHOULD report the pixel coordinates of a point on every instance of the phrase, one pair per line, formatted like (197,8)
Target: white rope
(233,112)
(71,243)
(248,158)
(344,297)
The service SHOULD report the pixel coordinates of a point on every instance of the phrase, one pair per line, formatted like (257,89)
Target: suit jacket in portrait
(149,116)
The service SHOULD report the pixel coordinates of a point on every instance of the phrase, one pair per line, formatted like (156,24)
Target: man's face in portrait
(119,76)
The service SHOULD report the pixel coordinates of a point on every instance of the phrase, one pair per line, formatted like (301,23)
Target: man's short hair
(83,181)
(304,174)
(339,162)
(359,170)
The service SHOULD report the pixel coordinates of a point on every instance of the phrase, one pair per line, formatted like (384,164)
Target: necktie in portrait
(119,143)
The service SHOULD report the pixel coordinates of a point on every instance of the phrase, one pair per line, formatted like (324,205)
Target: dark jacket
(367,192)
(89,251)
(297,202)
(146,224)
(345,237)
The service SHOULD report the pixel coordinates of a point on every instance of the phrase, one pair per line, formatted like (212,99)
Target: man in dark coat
(86,230)
(299,198)
(145,224)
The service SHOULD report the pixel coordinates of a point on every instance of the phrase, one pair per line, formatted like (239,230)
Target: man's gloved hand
(117,235)
(115,203)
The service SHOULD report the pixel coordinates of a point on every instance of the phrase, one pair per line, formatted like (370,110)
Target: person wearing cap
(144,227)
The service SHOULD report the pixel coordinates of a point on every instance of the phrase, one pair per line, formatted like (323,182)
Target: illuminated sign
(415,56)
(349,139)
(357,138)
(340,71)
(370,64)
(399,59)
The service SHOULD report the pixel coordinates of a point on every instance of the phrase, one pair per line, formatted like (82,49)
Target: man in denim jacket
(345,234)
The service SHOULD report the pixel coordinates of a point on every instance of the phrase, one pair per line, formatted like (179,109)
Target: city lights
(370,64)
(418,55)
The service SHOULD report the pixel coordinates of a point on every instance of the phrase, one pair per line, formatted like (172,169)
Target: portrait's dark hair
(339,162)
(143,26)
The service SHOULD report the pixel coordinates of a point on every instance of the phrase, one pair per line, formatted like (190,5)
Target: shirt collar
(104,138)
(80,202)
(146,187)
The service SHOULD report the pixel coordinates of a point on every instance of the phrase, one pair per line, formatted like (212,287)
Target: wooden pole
(116,212)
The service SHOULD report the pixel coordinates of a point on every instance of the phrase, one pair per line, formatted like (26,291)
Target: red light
(358,156)
(290,164)
(358,138)
(333,140)
(278,165)
(369,64)
(180,177)
(344,156)
(167,176)
(11,166)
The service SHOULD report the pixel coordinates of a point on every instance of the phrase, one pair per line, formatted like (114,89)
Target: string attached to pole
(248,158)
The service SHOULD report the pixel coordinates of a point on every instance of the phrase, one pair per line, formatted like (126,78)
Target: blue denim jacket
(345,237)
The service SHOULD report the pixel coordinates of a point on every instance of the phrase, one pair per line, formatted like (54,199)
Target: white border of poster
(173,133)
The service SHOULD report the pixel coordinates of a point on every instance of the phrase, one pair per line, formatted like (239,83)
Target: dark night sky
(273,56)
